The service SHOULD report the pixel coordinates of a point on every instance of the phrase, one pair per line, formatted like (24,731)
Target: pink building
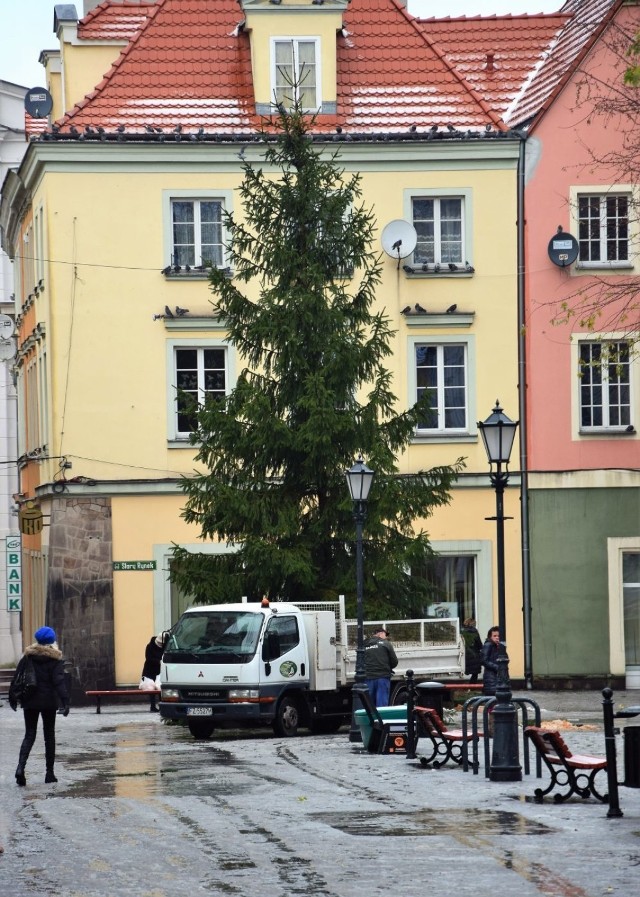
(581,318)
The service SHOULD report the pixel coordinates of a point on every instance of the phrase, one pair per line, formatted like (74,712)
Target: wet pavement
(142,809)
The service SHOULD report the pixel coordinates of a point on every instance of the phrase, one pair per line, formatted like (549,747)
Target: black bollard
(610,753)
(411,722)
(505,761)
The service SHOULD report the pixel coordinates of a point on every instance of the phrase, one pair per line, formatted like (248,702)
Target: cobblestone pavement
(142,809)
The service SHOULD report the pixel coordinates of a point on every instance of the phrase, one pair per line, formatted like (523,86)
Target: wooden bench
(574,772)
(120,693)
(447,743)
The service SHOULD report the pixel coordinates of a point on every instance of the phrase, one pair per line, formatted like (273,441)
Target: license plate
(199,711)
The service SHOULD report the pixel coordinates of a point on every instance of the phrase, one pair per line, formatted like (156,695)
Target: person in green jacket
(379,661)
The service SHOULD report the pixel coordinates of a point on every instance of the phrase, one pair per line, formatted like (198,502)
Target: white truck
(285,664)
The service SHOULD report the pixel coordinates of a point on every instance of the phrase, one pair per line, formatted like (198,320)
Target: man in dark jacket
(51,693)
(379,661)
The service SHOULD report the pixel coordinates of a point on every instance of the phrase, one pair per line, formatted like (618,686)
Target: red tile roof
(496,54)
(391,76)
(185,65)
(588,19)
(117,20)
(188,66)
(34,126)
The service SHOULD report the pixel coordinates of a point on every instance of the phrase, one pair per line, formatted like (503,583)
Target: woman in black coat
(472,649)
(491,650)
(151,669)
(51,693)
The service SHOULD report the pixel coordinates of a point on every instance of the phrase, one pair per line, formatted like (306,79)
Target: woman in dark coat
(51,693)
(151,669)
(491,650)
(472,649)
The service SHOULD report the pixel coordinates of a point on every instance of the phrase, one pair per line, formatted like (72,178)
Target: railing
(429,647)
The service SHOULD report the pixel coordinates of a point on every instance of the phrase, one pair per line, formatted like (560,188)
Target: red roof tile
(116,20)
(496,54)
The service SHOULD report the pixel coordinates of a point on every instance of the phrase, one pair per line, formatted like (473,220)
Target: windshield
(217,636)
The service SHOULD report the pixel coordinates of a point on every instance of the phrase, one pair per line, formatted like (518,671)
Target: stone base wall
(80,591)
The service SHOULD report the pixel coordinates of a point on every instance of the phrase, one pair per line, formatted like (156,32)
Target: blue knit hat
(45,635)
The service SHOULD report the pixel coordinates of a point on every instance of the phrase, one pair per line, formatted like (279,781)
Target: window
(452,578)
(282,636)
(603,228)
(442,371)
(605,389)
(295,75)
(200,374)
(631,602)
(197,232)
(439,225)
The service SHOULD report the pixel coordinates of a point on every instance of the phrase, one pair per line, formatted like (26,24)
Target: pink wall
(564,139)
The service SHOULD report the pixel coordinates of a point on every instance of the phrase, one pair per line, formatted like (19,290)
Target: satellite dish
(399,239)
(563,249)
(38,102)
(7,326)
(8,349)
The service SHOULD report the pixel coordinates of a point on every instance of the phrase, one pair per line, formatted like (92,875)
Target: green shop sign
(134,565)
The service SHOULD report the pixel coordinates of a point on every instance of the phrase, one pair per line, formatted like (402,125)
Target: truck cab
(236,664)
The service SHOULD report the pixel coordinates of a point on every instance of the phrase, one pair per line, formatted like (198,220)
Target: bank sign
(14,573)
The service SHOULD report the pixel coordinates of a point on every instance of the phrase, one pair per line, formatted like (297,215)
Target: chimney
(490,67)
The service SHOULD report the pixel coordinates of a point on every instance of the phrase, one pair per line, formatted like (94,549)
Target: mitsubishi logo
(200,675)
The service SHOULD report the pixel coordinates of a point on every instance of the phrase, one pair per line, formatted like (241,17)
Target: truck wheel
(201,728)
(400,696)
(287,718)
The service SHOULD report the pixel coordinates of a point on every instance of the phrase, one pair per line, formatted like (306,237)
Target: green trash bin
(387,713)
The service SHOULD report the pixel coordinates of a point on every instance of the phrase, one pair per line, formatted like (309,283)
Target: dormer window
(295,64)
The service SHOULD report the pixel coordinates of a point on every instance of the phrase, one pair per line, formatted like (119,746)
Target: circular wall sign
(563,249)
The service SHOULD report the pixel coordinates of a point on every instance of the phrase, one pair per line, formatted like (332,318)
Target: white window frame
(225,197)
(465,194)
(604,191)
(174,435)
(616,548)
(468,432)
(162,555)
(605,428)
(295,42)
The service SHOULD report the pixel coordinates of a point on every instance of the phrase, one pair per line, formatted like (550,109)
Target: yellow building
(108,220)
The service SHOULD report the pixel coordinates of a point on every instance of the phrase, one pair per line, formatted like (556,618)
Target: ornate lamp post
(498,434)
(359,479)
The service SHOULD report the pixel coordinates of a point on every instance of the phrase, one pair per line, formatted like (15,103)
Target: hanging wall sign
(14,573)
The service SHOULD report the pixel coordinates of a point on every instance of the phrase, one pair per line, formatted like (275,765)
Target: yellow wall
(106,286)
(139,524)
(84,67)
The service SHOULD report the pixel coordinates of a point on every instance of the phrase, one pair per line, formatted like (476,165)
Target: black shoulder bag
(24,684)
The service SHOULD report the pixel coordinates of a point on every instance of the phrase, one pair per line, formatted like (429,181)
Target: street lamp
(359,480)
(498,434)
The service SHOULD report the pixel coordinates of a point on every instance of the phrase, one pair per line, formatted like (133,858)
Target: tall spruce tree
(314,395)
